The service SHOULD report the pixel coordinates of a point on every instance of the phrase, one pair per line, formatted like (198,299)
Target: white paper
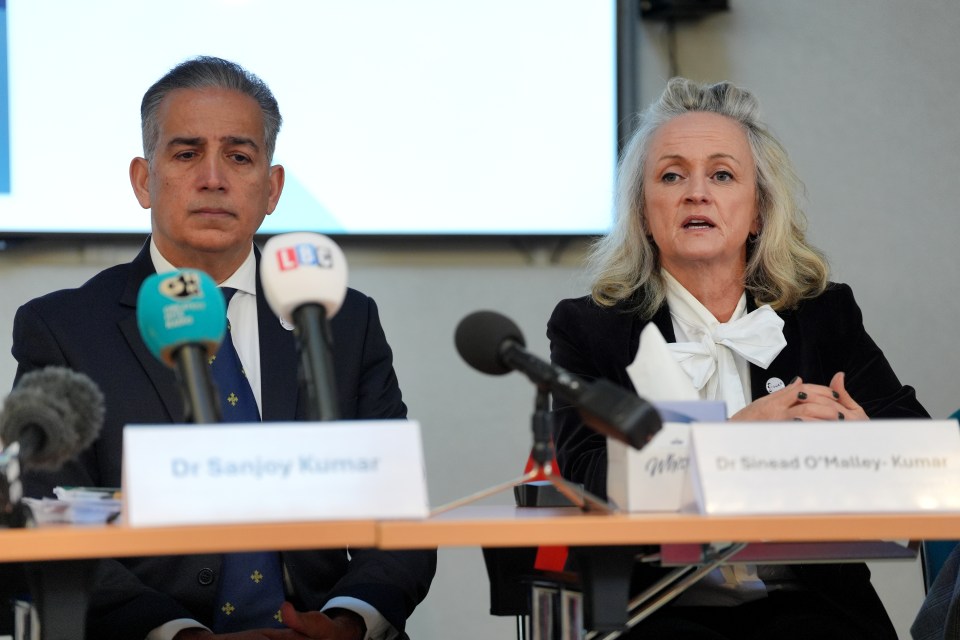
(655,373)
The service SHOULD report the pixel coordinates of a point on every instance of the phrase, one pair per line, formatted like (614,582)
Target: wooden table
(470,526)
(55,547)
(62,542)
(58,560)
(602,546)
(504,526)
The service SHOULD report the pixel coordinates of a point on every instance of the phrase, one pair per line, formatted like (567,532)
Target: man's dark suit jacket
(93,329)
(824,335)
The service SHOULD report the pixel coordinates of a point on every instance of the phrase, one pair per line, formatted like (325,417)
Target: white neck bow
(757,336)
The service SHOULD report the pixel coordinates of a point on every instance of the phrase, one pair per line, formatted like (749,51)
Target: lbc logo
(304,255)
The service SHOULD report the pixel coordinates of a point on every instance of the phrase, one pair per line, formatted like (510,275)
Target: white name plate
(274,472)
(826,467)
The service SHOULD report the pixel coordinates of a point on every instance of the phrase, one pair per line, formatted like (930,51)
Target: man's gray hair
(205,72)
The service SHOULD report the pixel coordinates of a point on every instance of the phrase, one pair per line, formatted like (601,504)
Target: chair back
(934,552)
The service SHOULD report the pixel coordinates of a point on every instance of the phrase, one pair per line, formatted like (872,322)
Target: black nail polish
(801,395)
(836,395)
(798,419)
(840,416)
(793,379)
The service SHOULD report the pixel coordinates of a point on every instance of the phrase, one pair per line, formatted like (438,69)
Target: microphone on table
(304,278)
(51,416)
(182,319)
(493,344)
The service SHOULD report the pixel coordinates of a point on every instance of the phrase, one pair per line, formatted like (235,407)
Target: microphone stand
(59,589)
(316,361)
(542,457)
(14,514)
(196,387)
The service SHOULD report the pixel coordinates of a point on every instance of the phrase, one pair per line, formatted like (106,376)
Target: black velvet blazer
(824,335)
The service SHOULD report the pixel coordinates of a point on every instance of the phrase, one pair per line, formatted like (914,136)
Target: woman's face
(700,186)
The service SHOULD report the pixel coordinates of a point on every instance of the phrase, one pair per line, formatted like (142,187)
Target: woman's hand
(851,410)
(801,401)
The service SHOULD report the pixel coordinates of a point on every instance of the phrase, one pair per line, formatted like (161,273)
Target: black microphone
(493,344)
(52,415)
(304,278)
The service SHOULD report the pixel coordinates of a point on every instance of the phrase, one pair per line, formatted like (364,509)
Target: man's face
(209,185)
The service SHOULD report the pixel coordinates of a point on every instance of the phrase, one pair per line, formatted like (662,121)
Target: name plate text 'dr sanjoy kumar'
(826,467)
(273,472)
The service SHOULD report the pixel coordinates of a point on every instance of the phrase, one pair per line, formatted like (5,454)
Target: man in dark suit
(209,131)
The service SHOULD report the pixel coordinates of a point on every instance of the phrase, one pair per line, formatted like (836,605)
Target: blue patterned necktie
(237,401)
(251,584)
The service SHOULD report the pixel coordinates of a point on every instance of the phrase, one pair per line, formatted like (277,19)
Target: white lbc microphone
(304,278)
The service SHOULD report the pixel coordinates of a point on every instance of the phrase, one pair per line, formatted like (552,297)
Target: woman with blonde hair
(710,246)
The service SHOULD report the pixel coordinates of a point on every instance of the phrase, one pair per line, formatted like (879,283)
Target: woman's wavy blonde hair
(782,268)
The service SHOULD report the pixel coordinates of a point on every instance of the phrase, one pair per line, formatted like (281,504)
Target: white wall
(864,94)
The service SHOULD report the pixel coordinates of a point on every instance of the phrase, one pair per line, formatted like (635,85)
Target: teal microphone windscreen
(180,308)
